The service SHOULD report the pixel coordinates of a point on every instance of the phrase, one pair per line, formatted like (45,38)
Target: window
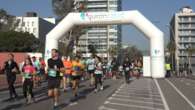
(193,18)
(193,25)
(34,30)
(184,25)
(97,9)
(25,29)
(23,24)
(27,24)
(113,34)
(32,23)
(113,2)
(113,9)
(114,27)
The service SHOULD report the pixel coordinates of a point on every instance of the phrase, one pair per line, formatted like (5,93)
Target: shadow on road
(13,100)
(11,107)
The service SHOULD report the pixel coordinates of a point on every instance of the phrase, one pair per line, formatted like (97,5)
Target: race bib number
(76,68)
(91,67)
(127,68)
(52,73)
(98,72)
(27,75)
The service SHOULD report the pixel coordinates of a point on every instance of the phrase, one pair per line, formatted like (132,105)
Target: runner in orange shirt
(76,75)
(68,69)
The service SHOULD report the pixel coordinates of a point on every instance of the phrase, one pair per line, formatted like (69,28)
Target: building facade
(35,25)
(103,38)
(182,32)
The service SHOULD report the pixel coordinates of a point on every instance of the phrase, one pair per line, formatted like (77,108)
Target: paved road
(45,103)
(140,94)
(179,93)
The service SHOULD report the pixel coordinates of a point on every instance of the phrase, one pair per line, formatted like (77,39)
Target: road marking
(74,103)
(181,94)
(138,92)
(40,98)
(138,95)
(135,89)
(188,84)
(135,106)
(193,81)
(135,101)
(162,95)
(138,98)
(106,108)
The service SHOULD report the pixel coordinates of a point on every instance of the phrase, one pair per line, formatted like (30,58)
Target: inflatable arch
(133,17)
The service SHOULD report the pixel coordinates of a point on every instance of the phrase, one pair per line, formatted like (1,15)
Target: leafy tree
(62,7)
(190,51)
(12,41)
(132,52)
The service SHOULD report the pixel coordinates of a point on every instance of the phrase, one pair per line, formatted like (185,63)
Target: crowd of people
(66,73)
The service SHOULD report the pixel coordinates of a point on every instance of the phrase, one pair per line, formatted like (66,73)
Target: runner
(139,67)
(55,66)
(68,66)
(104,69)
(83,71)
(120,69)
(126,66)
(91,68)
(36,64)
(76,75)
(28,72)
(98,74)
(10,69)
(42,69)
(114,68)
(109,69)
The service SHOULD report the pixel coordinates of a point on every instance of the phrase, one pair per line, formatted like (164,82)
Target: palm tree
(190,50)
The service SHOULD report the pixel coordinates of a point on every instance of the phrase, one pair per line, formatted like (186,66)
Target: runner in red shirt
(28,72)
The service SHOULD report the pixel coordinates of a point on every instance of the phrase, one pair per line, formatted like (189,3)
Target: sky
(159,12)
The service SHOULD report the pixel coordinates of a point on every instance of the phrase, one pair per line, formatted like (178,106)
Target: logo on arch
(82,15)
(156,51)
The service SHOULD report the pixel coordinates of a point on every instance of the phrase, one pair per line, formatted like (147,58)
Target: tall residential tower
(103,38)
(182,29)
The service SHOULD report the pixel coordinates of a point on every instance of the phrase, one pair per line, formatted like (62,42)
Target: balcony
(186,34)
(186,41)
(186,21)
(112,30)
(95,31)
(97,0)
(186,28)
(96,6)
(185,55)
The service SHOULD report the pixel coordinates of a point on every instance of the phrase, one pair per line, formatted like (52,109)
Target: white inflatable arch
(133,17)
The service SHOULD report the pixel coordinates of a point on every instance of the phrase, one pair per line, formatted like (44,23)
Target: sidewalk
(3,81)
